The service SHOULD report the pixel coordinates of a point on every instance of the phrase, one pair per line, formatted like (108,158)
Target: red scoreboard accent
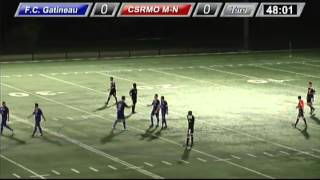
(156,9)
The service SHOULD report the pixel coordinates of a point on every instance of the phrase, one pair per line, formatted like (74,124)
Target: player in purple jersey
(38,114)
(164,112)
(4,110)
(121,105)
(155,110)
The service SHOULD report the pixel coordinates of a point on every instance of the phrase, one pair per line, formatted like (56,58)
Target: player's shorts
(120,117)
(301,113)
(154,112)
(310,100)
(134,100)
(112,92)
(4,122)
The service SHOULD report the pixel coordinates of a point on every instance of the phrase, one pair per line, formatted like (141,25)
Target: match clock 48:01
(278,9)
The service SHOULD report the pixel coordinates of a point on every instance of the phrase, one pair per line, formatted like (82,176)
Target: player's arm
(126,105)
(167,109)
(150,104)
(31,114)
(43,116)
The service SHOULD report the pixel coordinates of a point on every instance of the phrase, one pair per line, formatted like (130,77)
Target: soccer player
(300,106)
(38,114)
(164,112)
(155,110)
(121,105)
(133,94)
(112,91)
(310,97)
(5,117)
(191,120)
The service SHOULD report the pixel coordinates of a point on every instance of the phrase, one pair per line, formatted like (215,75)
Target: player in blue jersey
(4,110)
(121,105)
(112,91)
(155,110)
(164,112)
(38,114)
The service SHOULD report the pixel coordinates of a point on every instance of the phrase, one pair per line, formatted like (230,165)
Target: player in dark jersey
(112,91)
(38,114)
(310,97)
(164,112)
(121,105)
(134,94)
(191,120)
(155,110)
(5,114)
(300,106)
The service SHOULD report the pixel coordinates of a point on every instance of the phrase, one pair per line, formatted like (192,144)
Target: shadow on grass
(304,132)
(19,141)
(186,154)
(49,140)
(155,135)
(103,107)
(148,133)
(110,136)
(314,118)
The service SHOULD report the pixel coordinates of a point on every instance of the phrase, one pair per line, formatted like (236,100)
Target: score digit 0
(205,9)
(104,9)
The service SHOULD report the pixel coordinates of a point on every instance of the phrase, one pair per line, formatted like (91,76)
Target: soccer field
(244,105)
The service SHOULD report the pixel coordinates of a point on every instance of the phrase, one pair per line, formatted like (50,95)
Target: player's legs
(40,129)
(115,97)
(164,121)
(157,116)
(8,127)
(191,134)
(133,106)
(34,130)
(151,119)
(115,124)
(108,99)
(2,124)
(124,124)
(188,136)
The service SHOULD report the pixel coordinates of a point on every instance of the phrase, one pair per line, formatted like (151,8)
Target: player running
(164,112)
(4,110)
(133,94)
(191,120)
(112,91)
(121,105)
(300,106)
(155,110)
(310,97)
(37,113)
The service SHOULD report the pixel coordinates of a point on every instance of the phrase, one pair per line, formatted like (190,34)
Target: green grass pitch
(244,104)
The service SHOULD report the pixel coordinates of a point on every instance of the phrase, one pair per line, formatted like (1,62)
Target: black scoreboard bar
(161,9)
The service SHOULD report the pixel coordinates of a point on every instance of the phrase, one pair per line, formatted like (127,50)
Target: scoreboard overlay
(160,9)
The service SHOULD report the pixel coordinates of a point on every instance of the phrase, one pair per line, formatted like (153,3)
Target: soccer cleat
(151,126)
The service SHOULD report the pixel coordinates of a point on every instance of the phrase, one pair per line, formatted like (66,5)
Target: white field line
(268,154)
(55,172)
(112,167)
(70,118)
(125,79)
(184,161)
(74,170)
(286,71)
(93,169)
(251,155)
(22,167)
(55,119)
(236,157)
(308,64)
(284,152)
(202,160)
(166,163)
(255,137)
(227,159)
(91,149)
(44,175)
(317,150)
(164,139)
(148,164)
(16,175)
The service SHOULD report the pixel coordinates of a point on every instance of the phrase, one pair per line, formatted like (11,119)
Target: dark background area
(24,35)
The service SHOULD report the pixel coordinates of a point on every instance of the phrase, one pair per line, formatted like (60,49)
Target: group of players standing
(157,107)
